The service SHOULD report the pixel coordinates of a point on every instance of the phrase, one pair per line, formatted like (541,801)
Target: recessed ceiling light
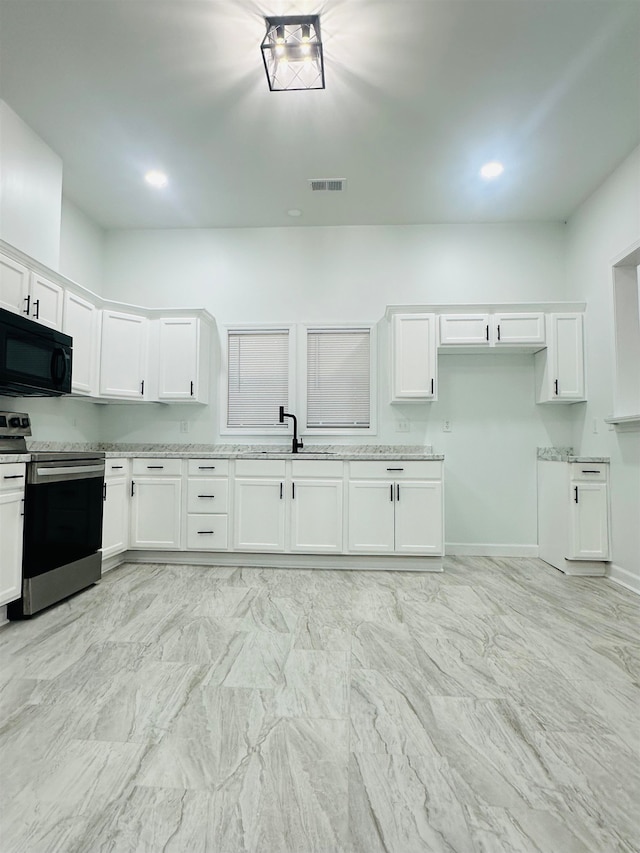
(295,211)
(156,179)
(492,170)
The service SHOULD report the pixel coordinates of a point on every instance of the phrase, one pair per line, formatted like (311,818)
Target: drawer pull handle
(116,467)
(206,467)
(576,497)
(155,466)
(206,496)
(590,471)
(13,477)
(395,469)
(205,531)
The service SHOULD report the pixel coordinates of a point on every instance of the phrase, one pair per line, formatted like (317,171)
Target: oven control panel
(14,424)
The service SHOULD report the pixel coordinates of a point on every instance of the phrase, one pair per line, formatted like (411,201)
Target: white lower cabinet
(573,516)
(156,503)
(12,480)
(315,506)
(207,504)
(395,507)
(115,517)
(259,508)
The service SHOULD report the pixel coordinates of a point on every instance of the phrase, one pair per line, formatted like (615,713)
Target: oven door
(34,360)
(63,514)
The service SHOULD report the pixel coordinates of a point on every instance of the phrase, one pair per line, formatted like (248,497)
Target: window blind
(338,378)
(258,377)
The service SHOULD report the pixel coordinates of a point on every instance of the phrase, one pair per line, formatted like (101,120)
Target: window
(258,373)
(339,378)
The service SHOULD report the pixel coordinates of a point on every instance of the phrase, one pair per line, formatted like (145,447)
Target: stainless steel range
(62,519)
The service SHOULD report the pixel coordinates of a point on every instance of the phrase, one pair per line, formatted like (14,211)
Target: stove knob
(14,422)
(25,422)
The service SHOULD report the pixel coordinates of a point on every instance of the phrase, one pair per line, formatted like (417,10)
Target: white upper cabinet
(14,286)
(464,329)
(46,301)
(123,355)
(519,329)
(81,321)
(413,358)
(30,294)
(560,367)
(183,359)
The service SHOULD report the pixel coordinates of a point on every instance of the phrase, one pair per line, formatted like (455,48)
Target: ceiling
(419,94)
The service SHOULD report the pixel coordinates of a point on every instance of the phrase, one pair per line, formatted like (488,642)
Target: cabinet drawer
(12,477)
(207,532)
(590,471)
(116,467)
(161,467)
(260,467)
(207,495)
(316,468)
(396,470)
(208,467)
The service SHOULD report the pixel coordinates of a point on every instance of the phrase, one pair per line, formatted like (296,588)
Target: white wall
(603,227)
(81,247)
(30,190)
(302,274)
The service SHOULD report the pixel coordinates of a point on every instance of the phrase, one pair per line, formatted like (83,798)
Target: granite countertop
(567,454)
(14,457)
(252,451)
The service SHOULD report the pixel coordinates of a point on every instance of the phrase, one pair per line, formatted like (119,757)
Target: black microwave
(35,361)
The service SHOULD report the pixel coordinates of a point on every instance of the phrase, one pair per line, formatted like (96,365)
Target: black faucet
(295,444)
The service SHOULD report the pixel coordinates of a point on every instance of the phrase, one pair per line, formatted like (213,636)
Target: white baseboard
(624,578)
(401,563)
(465,549)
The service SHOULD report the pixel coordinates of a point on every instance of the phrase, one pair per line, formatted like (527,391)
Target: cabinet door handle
(498,331)
(22,502)
(192,389)
(432,383)
(132,488)
(556,386)
(36,305)
(280,491)
(487,331)
(293,491)
(391,492)
(398,492)
(142,387)
(395,469)
(104,491)
(576,491)
(27,299)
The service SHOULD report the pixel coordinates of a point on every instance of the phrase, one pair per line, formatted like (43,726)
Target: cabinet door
(47,300)
(371,526)
(589,521)
(14,286)
(81,322)
(418,515)
(316,516)
(567,356)
(155,513)
(11,524)
(259,516)
(463,329)
(123,355)
(519,329)
(413,357)
(115,518)
(178,358)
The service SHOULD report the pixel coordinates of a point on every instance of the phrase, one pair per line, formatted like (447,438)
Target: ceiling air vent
(331,185)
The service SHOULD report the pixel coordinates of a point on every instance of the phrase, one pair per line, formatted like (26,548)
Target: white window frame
(224,383)
(372,429)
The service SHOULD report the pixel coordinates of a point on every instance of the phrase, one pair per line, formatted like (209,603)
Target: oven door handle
(70,469)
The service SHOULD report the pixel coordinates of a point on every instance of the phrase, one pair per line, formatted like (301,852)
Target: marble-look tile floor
(176,709)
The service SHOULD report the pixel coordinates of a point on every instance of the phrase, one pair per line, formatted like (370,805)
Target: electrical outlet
(446,426)
(184,426)
(402,426)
